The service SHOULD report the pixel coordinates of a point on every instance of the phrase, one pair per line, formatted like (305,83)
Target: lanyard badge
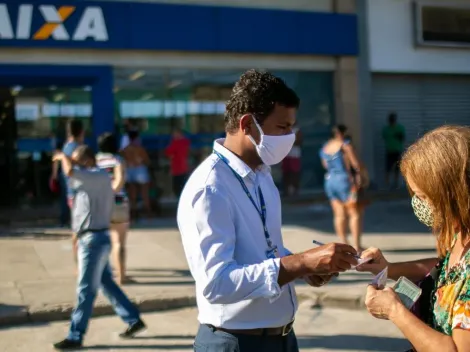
(272,251)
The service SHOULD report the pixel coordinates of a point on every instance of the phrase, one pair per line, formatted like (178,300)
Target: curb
(62,312)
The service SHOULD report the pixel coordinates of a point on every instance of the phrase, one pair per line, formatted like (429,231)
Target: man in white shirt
(229,217)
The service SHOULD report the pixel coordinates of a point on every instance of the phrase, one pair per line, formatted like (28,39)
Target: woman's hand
(382,304)
(377,261)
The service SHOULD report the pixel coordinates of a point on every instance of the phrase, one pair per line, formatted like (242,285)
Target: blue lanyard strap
(261,212)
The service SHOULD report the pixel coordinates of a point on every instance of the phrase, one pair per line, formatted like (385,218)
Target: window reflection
(194,99)
(43,112)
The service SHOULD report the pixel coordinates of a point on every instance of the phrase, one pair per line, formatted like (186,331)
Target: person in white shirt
(229,216)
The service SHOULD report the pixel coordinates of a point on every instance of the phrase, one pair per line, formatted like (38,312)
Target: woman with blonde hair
(437,171)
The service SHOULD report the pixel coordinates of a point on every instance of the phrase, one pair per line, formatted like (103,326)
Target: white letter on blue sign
(6,30)
(92,25)
(23,27)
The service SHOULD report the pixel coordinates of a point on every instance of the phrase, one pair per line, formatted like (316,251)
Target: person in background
(129,126)
(75,137)
(394,138)
(178,153)
(110,161)
(338,158)
(91,215)
(137,175)
(436,169)
(229,217)
(291,166)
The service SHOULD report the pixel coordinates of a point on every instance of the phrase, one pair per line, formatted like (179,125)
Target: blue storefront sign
(109,25)
(154,26)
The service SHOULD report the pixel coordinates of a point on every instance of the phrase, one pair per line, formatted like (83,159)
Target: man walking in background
(91,217)
(394,138)
(178,152)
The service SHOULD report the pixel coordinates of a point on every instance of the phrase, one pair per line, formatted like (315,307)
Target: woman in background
(108,159)
(339,158)
(138,178)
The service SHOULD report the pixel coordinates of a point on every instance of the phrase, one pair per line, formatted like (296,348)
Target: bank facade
(163,64)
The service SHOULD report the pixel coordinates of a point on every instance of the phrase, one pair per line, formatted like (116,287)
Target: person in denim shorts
(138,176)
(341,187)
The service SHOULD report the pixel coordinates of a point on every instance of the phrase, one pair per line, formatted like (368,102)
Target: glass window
(43,112)
(194,99)
(41,116)
(444,25)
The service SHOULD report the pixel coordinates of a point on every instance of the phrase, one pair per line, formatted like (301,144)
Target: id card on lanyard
(272,251)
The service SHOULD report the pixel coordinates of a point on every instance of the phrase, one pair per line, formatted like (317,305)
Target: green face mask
(423,211)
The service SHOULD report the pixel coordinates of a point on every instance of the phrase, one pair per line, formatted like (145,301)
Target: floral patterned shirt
(452,297)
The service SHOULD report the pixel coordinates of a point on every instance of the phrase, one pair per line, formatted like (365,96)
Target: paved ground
(317,330)
(37,272)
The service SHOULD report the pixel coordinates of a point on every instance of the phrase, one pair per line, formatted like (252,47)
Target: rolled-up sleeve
(226,281)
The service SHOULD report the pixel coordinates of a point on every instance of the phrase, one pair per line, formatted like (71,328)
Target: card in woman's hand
(407,291)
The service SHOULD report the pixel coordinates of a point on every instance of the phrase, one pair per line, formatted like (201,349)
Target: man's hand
(319,280)
(329,259)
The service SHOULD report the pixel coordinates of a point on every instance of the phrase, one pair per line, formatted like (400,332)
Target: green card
(407,291)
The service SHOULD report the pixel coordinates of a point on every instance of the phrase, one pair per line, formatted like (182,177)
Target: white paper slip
(407,291)
(361,261)
(381,279)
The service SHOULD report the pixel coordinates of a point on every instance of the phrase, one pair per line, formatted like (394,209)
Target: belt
(83,232)
(281,331)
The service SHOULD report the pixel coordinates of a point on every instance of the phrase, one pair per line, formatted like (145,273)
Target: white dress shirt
(224,242)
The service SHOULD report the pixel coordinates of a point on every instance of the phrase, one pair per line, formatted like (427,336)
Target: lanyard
(261,212)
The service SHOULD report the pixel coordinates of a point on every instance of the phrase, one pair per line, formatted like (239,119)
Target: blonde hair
(438,164)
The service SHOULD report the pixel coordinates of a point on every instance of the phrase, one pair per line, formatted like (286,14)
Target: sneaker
(67,345)
(133,330)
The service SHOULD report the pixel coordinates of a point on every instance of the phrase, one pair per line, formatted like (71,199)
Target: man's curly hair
(257,93)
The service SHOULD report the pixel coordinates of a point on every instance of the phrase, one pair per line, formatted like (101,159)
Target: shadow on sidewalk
(31,234)
(354,342)
(333,342)
(153,347)
(159,272)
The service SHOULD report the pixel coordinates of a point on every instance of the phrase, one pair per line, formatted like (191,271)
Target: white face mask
(272,149)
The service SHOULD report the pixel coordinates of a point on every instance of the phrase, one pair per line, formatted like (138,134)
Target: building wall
(137,58)
(302,5)
(391,42)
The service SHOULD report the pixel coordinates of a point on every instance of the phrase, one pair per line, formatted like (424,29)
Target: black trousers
(178,184)
(210,340)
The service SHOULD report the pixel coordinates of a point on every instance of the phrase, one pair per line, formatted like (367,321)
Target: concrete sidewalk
(37,273)
(27,216)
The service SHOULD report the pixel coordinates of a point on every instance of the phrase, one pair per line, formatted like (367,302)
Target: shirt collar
(235,162)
